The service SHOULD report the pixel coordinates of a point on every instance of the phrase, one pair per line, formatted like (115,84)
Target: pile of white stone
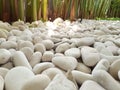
(60,55)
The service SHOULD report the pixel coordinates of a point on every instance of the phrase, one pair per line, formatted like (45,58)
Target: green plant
(32,10)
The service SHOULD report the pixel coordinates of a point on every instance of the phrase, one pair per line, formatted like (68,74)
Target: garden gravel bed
(60,55)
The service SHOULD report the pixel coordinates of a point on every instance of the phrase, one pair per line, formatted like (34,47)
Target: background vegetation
(31,10)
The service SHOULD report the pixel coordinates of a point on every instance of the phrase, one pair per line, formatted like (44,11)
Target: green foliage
(113,19)
(32,10)
(114,9)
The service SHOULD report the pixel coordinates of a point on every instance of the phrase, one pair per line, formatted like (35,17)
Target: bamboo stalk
(45,12)
(68,8)
(39,5)
(72,13)
(34,10)
(1,9)
(21,9)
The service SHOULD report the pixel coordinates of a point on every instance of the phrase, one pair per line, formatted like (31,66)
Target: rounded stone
(81,77)
(52,72)
(114,68)
(58,54)
(106,80)
(19,59)
(65,62)
(103,64)
(25,44)
(27,51)
(35,58)
(39,68)
(19,76)
(5,55)
(48,44)
(83,68)
(74,52)
(62,48)
(40,47)
(119,74)
(113,49)
(86,41)
(38,82)
(1,83)
(8,65)
(91,85)
(3,34)
(60,82)
(9,45)
(16,32)
(3,71)
(47,56)
(90,56)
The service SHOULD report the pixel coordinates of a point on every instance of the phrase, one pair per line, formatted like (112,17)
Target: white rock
(38,68)
(27,51)
(62,48)
(5,55)
(118,51)
(3,71)
(119,74)
(114,68)
(19,76)
(12,51)
(48,44)
(106,51)
(55,40)
(113,49)
(27,32)
(99,32)
(117,41)
(9,45)
(35,58)
(12,38)
(2,40)
(3,34)
(37,39)
(103,64)
(65,62)
(19,59)
(57,21)
(58,54)
(25,37)
(99,46)
(47,56)
(40,47)
(83,68)
(72,45)
(106,80)
(86,41)
(90,56)
(39,82)
(74,52)
(60,82)
(91,85)
(52,72)
(109,43)
(1,83)
(25,44)
(8,65)
(80,77)
(111,59)
(16,32)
